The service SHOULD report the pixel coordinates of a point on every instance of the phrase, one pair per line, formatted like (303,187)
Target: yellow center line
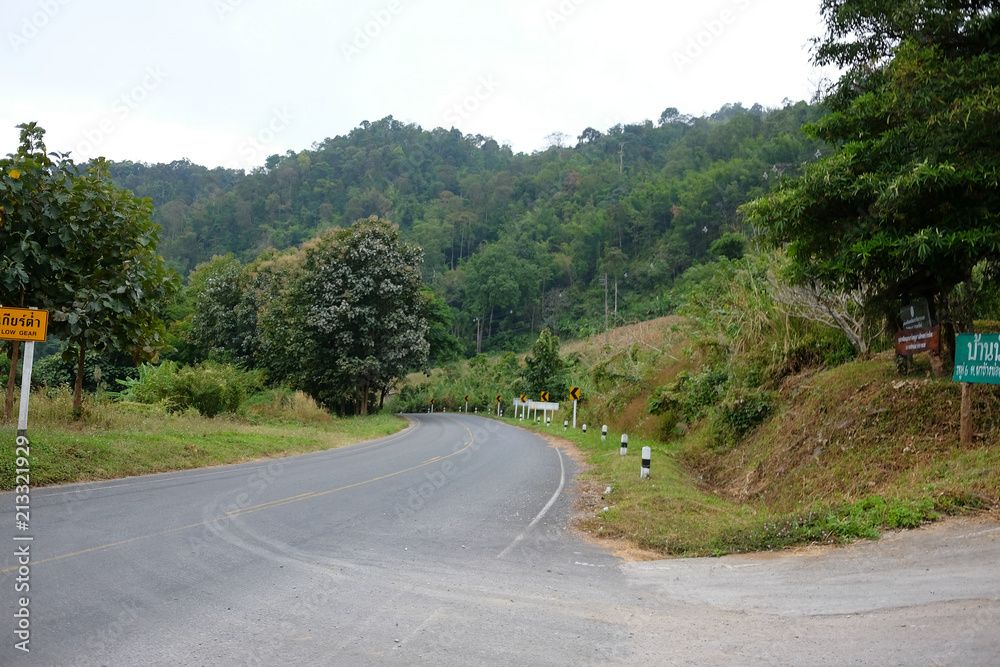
(248,510)
(254,508)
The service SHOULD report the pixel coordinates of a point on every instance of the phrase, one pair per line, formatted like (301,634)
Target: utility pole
(605,309)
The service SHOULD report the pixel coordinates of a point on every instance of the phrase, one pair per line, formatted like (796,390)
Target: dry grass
(855,431)
(113,440)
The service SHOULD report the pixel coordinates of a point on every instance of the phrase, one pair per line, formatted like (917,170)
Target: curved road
(446,544)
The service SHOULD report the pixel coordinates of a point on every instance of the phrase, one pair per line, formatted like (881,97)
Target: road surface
(448,544)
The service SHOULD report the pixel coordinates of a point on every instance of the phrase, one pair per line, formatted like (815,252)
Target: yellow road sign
(432,401)
(24,324)
(545,397)
(466,399)
(574,393)
(499,398)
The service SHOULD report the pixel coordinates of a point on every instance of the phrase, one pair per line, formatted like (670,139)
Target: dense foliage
(343,317)
(513,243)
(78,246)
(906,208)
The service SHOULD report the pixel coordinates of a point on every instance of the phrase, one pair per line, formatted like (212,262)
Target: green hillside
(519,241)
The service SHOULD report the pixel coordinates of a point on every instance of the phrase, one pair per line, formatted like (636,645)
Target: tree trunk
(364,398)
(8,404)
(78,386)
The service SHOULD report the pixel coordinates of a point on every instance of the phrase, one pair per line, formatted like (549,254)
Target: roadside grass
(850,452)
(114,440)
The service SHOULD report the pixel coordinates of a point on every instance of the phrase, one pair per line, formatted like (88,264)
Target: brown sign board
(914,341)
(24,324)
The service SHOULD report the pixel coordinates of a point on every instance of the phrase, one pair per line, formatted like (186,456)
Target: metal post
(574,415)
(22,415)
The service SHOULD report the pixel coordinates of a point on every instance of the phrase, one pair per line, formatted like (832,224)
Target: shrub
(743,411)
(210,388)
(689,395)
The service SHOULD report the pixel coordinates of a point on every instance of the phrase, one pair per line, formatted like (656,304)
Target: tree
(496,278)
(544,369)
(360,305)
(907,207)
(225,315)
(117,281)
(33,188)
(83,249)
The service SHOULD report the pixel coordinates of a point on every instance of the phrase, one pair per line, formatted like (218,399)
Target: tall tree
(361,313)
(908,205)
(33,189)
(117,280)
(544,369)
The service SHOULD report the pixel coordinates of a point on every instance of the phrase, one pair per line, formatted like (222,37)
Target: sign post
(977,360)
(574,394)
(522,403)
(31,326)
(466,405)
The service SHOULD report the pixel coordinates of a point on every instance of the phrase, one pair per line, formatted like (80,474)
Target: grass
(848,453)
(115,440)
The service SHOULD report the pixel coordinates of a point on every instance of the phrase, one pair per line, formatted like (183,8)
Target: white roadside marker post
(22,415)
(644,471)
(604,433)
(585,429)
(565,424)
(624,444)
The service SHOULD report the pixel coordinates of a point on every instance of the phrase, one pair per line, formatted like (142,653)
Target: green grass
(121,440)
(674,513)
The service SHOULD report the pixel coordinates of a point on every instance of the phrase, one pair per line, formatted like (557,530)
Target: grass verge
(116,440)
(852,452)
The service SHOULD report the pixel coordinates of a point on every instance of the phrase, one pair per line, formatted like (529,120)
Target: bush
(210,388)
(689,395)
(743,411)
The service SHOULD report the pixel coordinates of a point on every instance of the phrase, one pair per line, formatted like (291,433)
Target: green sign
(977,358)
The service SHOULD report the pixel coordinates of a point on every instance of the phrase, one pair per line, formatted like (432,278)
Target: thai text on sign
(977,358)
(912,341)
(24,324)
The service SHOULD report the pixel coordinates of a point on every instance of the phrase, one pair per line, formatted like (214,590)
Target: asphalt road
(447,544)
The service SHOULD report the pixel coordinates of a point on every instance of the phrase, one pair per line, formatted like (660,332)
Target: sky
(230,82)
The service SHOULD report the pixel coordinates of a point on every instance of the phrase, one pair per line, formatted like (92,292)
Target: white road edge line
(548,506)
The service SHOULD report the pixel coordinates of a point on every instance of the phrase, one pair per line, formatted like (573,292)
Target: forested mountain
(512,242)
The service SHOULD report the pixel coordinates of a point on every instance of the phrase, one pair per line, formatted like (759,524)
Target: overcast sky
(229,82)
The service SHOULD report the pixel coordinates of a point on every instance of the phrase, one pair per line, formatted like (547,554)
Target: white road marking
(548,506)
